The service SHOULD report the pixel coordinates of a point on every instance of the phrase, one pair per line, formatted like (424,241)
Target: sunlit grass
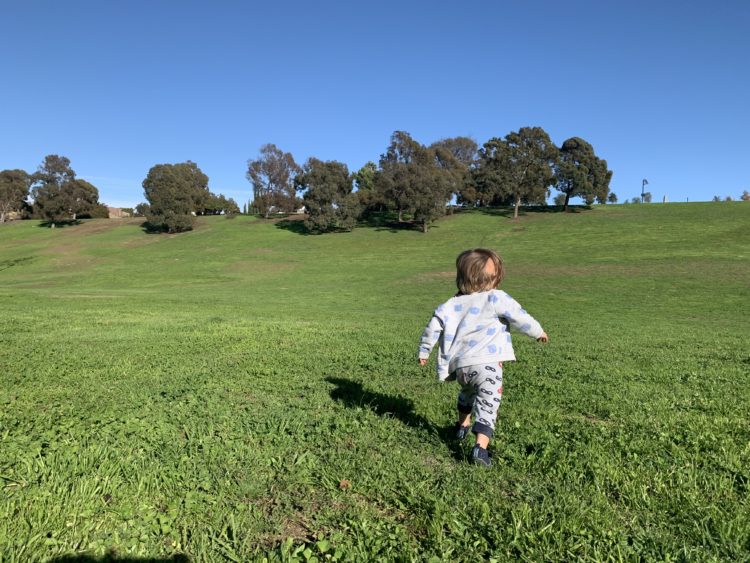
(243,391)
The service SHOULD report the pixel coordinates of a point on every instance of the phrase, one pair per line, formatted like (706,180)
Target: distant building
(117,213)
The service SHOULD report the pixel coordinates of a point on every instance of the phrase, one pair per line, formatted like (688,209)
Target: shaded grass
(240,391)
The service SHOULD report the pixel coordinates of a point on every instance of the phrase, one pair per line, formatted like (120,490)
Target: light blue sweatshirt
(473,329)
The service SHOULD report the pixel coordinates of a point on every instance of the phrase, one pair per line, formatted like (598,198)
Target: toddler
(473,330)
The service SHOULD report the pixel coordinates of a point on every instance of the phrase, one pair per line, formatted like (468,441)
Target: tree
(728,198)
(580,173)
(14,189)
(54,169)
(98,211)
(716,198)
(272,176)
(559,200)
(141,210)
(612,197)
(441,177)
(647,197)
(415,178)
(58,194)
(218,204)
(521,166)
(464,150)
(370,198)
(745,196)
(398,174)
(635,200)
(175,193)
(331,204)
(231,207)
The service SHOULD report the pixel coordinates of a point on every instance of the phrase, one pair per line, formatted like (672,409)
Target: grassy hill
(246,390)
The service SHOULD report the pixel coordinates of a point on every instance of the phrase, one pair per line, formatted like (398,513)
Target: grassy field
(244,391)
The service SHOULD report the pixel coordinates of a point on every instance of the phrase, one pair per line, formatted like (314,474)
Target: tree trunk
(400,216)
(518,204)
(567,199)
(424,226)
(2,217)
(51,225)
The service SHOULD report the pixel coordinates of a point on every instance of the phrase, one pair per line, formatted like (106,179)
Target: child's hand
(543,338)
(422,361)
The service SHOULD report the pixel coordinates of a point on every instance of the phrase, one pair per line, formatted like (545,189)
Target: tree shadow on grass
(112,558)
(151,229)
(507,212)
(397,226)
(296,226)
(59,224)
(353,395)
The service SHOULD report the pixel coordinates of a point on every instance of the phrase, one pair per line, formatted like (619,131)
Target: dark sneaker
(462,431)
(480,456)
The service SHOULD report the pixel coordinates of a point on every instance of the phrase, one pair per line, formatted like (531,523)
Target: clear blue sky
(659,89)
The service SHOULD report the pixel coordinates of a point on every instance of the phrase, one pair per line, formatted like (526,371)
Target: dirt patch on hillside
(95,226)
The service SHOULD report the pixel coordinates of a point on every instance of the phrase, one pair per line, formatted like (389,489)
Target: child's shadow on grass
(353,395)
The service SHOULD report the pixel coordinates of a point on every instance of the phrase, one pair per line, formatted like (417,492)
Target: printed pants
(481,391)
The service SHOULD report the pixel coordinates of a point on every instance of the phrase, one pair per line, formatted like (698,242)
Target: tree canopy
(370,199)
(417,179)
(58,195)
(14,189)
(272,176)
(175,192)
(519,167)
(581,173)
(328,196)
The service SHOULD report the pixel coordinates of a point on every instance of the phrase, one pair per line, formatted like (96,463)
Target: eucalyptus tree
(370,198)
(580,173)
(272,176)
(175,194)
(463,153)
(14,189)
(58,195)
(327,193)
(519,167)
(417,179)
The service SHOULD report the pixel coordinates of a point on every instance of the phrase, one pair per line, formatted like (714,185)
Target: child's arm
(430,336)
(510,310)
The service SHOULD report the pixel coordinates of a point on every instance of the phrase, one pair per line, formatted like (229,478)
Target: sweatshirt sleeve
(430,337)
(511,311)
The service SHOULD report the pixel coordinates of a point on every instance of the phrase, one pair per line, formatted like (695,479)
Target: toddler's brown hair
(471,275)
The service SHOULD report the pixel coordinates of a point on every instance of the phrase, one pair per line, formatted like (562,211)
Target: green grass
(243,391)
